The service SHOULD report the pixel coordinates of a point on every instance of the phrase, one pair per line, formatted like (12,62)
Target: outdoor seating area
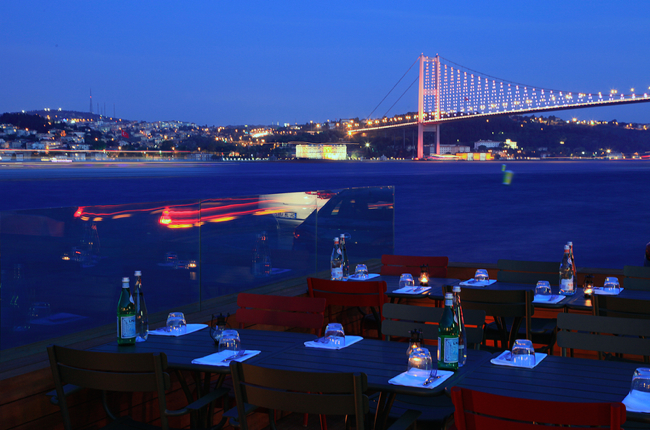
(286,371)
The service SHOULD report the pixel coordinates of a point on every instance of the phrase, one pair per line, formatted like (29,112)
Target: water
(458,209)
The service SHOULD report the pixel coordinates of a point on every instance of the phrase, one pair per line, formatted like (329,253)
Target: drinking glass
(523,353)
(481,275)
(361,271)
(611,284)
(230,342)
(420,363)
(334,334)
(176,323)
(640,389)
(406,280)
(543,288)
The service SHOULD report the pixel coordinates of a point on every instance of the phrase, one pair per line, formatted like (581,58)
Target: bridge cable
(505,80)
(391,90)
(414,81)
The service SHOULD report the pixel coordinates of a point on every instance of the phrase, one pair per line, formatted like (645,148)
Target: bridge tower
(428,92)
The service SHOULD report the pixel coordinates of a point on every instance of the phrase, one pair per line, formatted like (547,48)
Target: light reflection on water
(458,209)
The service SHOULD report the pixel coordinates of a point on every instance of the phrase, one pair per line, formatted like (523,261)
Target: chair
(399,320)
(352,293)
(301,312)
(304,392)
(636,278)
(395,265)
(479,410)
(604,334)
(542,330)
(615,306)
(137,372)
(516,305)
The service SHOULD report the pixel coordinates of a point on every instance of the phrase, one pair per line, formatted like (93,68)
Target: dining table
(380,360)
(556,378)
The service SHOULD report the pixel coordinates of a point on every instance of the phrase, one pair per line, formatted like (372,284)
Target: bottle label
(337,273)
(448,349)
(566,285)
(126,327)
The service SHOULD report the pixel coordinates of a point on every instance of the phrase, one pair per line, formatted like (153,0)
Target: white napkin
(546,298)
(410,380)
(637,402)
(217,358)
(601,291)
(501,360)
(473,283)
(191,328)
(349,340)
(412,290)
(370,276)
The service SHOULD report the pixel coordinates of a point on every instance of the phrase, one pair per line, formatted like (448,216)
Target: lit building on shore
(322,152)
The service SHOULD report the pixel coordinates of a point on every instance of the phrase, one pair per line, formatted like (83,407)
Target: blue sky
(260,62)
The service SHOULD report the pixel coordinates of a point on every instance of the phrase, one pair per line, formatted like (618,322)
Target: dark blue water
(458,209)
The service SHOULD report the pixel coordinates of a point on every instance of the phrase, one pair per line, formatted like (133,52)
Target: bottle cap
(449,296)
(336,239)
(456,289)
(125,279)
(137,273)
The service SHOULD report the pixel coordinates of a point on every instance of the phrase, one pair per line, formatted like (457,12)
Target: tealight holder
(588,287)
(424,276)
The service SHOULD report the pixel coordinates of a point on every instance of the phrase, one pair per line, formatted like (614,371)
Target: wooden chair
(636,278)
(399,320)
(514,305)
(352,293)
(304,392)
(395,265)
(615,306)
(542,330)
(528,272)
(604,334)
(137,372)
(300,312)
(479,410)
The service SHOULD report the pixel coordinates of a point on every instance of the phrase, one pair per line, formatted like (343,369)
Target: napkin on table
(502,361)
(637,402)
(410,380)
(411,290)
(603,292)
(547,298)
(217,358)
(191,328)
(349,340)
(473,283)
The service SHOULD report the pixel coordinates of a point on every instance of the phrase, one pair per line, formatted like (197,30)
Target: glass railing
(61,268)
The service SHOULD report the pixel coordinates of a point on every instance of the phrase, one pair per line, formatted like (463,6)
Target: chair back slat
(395,265)
(401,319)
(350,293)
(527,272)
(636,278)
(109,381)
(302,392)
(301,312)
(476,409)
(603,334)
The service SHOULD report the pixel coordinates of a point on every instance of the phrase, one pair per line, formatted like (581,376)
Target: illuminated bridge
(451,92)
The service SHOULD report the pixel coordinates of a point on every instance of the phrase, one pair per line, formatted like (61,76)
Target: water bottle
(336,261)
(448,337)
(462,337)
(141,314)
(567,283)
(345,265)
(125,316)
(573,262)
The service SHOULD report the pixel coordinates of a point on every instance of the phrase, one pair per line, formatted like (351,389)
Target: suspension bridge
(450,92)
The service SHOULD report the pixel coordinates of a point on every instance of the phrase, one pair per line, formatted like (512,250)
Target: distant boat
(442,157)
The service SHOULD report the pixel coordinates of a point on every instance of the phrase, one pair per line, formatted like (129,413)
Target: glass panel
(62,268)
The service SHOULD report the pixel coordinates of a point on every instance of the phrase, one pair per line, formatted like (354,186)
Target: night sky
(261,62)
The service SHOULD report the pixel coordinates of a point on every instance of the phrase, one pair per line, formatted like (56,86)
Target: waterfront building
(322,152)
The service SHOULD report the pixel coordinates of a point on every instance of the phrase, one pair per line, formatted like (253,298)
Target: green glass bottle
(125,316)
(448,332)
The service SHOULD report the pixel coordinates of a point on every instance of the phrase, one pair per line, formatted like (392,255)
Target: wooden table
(556,378)
(379,360)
